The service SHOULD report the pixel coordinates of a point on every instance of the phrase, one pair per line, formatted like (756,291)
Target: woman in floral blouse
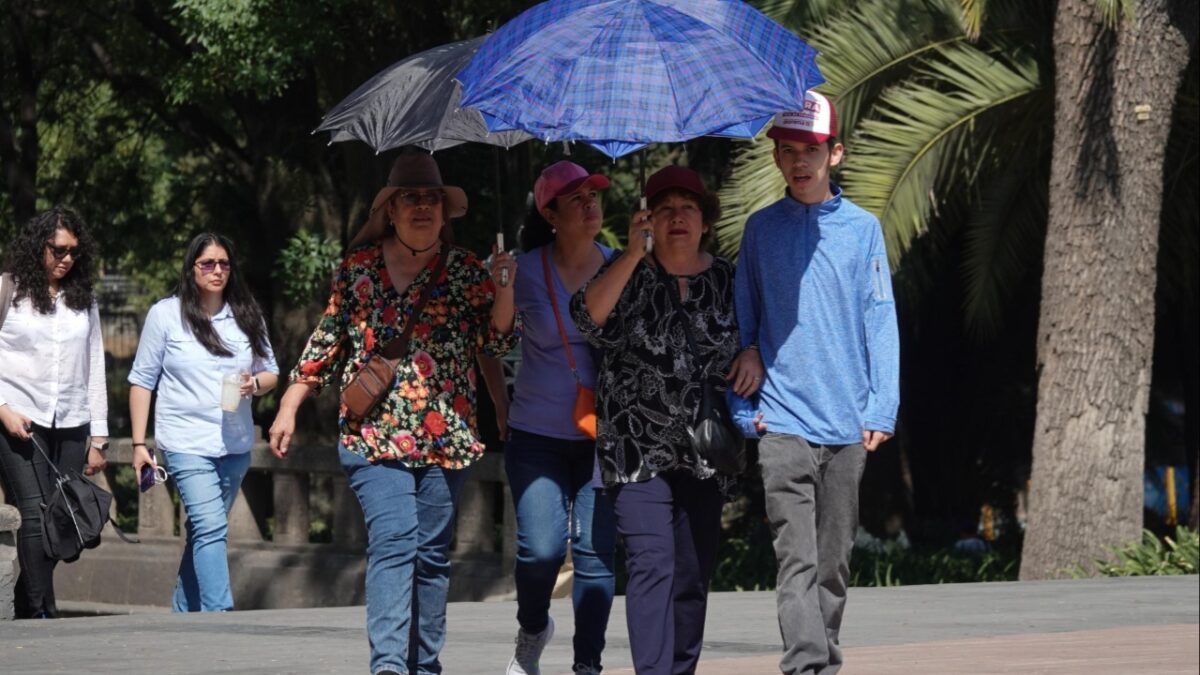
(667,499)
(404,460)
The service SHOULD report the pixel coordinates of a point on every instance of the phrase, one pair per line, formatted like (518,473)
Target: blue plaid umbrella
(620,74)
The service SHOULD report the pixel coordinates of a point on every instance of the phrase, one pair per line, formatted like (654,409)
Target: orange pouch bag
(585,410)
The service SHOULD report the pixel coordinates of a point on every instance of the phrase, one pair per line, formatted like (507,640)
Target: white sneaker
(529,651)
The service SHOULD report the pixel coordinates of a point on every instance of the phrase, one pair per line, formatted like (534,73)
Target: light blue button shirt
(187,415)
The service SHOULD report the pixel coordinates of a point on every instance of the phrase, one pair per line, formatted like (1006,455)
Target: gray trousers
(812,504)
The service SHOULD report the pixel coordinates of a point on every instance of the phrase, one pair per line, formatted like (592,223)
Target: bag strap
(124,537)
(38,444)
(562,332)
(7,290)
(395,348)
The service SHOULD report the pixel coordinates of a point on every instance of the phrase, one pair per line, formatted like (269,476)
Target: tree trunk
(1096,329)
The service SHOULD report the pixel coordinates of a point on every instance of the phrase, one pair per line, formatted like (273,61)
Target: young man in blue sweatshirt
(814,296)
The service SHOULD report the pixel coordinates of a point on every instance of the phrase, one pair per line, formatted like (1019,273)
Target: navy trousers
(671,525)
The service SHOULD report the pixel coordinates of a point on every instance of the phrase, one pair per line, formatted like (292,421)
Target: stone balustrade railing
(285,569)
(10,520)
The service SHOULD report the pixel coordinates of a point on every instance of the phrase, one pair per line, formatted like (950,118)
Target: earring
(554,230)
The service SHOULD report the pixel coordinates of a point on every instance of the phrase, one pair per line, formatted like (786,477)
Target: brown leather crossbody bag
(370,385)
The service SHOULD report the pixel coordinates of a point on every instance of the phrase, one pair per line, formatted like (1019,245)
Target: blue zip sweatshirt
(814,291)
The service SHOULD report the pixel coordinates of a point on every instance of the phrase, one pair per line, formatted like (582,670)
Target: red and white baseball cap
(814,124)
(563,178)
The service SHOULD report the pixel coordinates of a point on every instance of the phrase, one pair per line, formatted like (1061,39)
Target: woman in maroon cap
(666,498)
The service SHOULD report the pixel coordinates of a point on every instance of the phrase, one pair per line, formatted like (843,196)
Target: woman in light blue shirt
(210,328)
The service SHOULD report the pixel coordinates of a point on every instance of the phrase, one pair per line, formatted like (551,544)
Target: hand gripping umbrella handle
(500,247)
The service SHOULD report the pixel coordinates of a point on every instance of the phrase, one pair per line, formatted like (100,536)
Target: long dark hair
(245,308)
(25,261)
(536,231)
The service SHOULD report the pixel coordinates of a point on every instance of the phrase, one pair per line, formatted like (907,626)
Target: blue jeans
(410,522)
(551,481)
(207,487)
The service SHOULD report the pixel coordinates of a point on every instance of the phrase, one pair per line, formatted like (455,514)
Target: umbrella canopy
(415,102)
(620,74)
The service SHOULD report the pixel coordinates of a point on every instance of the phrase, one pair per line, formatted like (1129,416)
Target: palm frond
(917,145)
(1004,239)
(973,13)
(798,14)
(865,50)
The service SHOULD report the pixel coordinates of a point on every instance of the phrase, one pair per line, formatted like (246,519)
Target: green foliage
(894,566)
(305,265)
(252,46)
(1152,556)
(749,565)
(125,494)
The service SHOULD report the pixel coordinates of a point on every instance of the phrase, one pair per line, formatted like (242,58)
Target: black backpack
(73,514)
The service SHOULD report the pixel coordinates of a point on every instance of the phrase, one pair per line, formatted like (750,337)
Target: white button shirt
(53,366)
(187,412)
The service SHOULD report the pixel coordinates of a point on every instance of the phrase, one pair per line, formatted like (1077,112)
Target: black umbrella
(415,102)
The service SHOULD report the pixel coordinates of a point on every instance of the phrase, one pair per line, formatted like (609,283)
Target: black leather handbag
(713,435)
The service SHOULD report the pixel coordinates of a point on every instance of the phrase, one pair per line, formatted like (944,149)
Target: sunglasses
(210,266)
(60,252)
(432,198)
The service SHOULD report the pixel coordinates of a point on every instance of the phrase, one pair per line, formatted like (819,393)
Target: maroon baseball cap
(671,177)
(563,178)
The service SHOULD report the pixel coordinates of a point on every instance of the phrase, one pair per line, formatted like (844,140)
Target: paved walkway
(1088,627)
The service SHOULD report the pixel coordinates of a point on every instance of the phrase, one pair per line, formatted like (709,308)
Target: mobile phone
(151,476)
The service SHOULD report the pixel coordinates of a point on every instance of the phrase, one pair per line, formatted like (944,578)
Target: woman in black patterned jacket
(667,500)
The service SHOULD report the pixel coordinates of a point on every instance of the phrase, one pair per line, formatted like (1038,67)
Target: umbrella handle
(500,247)
(648,239)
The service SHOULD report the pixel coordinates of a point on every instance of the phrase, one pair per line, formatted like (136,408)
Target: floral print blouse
(428,419)
(648,385)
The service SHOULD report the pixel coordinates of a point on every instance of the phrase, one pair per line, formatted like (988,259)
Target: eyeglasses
(60,252)
(431,198)
(210,266)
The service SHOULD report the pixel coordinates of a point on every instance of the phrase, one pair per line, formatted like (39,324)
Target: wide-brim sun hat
(411,171)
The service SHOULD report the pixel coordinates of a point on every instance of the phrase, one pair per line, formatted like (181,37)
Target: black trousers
(27,482)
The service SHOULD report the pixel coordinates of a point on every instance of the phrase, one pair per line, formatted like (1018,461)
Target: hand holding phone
(151,475)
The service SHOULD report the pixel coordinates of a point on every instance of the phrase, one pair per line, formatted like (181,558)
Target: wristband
(134,445)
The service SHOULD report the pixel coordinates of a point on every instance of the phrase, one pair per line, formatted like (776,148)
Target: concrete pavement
(1087,626)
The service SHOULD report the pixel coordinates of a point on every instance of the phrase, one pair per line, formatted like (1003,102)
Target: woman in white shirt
(52,383)
(211,328)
